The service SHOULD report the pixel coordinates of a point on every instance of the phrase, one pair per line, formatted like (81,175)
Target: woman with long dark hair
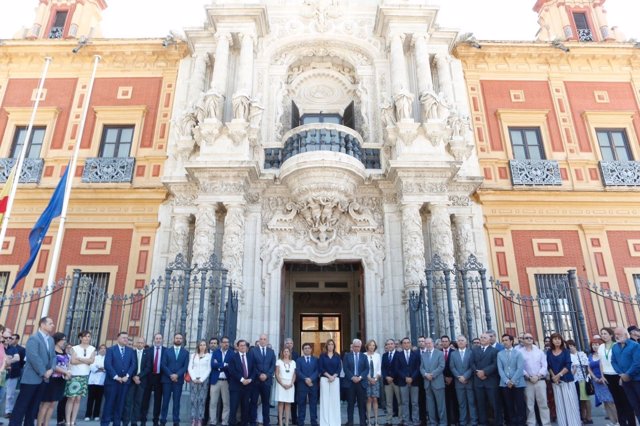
(330,365)
(612,379)
(564,391)
(199,370)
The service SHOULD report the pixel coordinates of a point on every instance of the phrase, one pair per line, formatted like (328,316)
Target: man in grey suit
(432,371)
(40,361)
(460,366)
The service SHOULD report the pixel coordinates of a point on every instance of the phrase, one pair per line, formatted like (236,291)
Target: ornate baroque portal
(321,131)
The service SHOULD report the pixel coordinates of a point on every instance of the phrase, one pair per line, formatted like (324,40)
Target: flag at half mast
(4,194)
(39,231)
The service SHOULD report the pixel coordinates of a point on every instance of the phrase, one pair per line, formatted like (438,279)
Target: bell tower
(67,19)
(573,20)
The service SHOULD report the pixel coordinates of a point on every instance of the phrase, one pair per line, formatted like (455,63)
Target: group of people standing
(437,383)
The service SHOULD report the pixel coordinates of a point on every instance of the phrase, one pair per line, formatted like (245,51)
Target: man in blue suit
(175,361)
(242,375)
(40,361)
(219,381)
(407,369)
(265,360)
(356,370)
(307,374)
(120,366)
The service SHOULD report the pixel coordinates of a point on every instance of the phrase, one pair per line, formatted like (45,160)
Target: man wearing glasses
(535,370)
(15,363)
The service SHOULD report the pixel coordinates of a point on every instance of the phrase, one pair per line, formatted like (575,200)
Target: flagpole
(23,153)
(67,194)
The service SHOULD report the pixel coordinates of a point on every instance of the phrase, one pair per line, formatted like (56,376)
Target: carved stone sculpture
(233,243)
(403,101)
(241,104)
(213,105)
(255,113)
(412,247)
(387,114)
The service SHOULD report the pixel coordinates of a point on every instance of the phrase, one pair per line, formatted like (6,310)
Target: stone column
(423,65)
(465,246)
(244,89)
(198,75)
(214,102)
(444,77)
(402,98)
(442,245)
(233,244)
(204,234)
(412,247)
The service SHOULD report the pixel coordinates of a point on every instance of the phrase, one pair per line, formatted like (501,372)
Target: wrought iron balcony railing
(585,35)
(108,170)
(56,32)
(322,137)
(620,173)
(535,172)
(31,169)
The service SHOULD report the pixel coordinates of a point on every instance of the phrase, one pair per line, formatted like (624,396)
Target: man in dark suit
(450,387)
(356,370)
(40,361)
(485,380)
(120,366)
(407,368)
(462,372)
(174,365)
(133,404)
(391,390)
(265,362)
(154,383)
(242,375)
(219,381)
(307,385)
(214,343)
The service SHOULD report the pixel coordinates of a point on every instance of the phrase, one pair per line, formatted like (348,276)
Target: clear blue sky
(487,19)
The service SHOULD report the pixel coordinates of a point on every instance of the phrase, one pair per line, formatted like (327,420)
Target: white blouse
(97,377)
(81,353)
(377,364)
(200,368)
(605,357)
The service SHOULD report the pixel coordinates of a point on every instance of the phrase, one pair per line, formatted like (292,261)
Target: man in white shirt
(535,370)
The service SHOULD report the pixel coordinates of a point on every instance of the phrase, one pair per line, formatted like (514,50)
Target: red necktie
(446,354)
(244,367)
(155,361)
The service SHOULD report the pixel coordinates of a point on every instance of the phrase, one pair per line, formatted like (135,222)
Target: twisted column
(412,247)
(233,243)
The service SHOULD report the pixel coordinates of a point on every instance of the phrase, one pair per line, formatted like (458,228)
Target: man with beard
(174,365)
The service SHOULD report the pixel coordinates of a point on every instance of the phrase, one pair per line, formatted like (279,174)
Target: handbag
(588,384)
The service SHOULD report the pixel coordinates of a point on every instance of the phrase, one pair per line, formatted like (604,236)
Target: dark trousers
(27,404)
(625,412)
(171,391)
(632,390)
(133,404)
(205,420)
(452,403)
(153,386)
(241,398)
(485,399)
(356,394)
(515,406)
(61,414)
(94,401)
(422,402)
(263,390)
(115,395)
(305,393)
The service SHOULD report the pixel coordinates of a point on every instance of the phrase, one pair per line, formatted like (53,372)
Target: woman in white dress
(330,366)
(285,390)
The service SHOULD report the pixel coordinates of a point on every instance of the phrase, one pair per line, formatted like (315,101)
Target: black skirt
(54,390)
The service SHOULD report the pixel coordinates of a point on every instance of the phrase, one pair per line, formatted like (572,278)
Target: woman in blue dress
(330,365)
(603,395)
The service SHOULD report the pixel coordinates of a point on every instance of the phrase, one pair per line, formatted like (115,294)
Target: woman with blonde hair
(285,390)
(375,374)
(199,369)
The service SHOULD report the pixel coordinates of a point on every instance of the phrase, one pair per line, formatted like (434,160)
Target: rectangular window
(88,310)
(557,305)
(35,141)
(57,29)
(582,27)
(614,145)
(4,282)
(526,143)
(116,141)
(636,282)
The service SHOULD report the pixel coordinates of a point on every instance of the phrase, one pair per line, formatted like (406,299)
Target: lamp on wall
(558,44)
(470,39)
(170,39)
(82,42)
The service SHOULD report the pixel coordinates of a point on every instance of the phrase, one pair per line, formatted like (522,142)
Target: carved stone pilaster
(442,245)
(204,234)
(179,236)
(465,244)
(233,244)
(412,247)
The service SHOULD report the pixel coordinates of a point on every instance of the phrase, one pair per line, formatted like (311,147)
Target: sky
(487,19)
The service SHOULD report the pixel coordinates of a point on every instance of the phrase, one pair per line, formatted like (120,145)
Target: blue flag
(39,231)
